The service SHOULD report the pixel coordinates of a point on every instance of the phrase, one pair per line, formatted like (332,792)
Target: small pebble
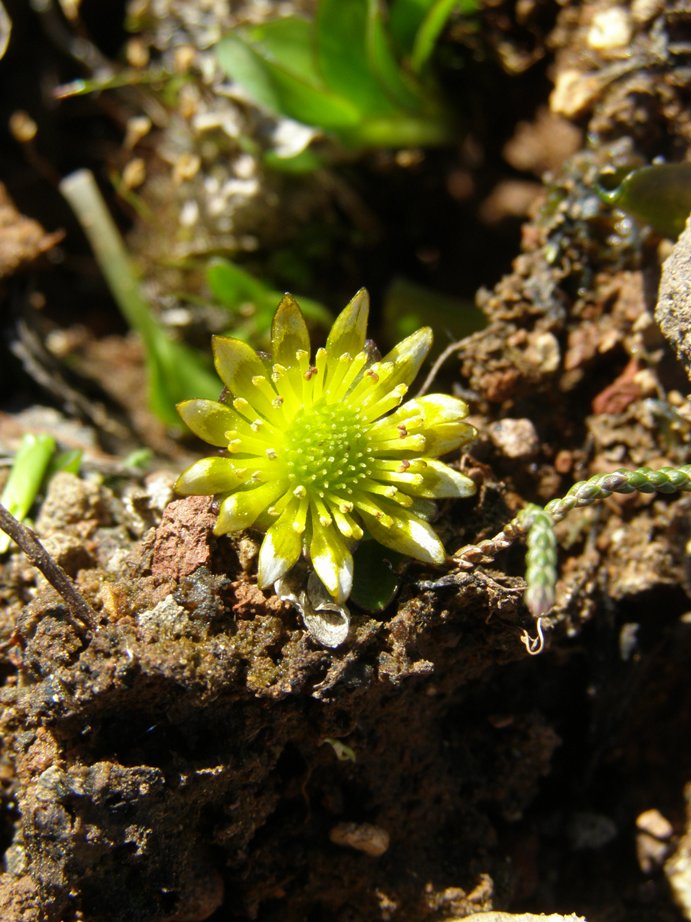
(515,438)
(610,29)
(363,837)
(654,823)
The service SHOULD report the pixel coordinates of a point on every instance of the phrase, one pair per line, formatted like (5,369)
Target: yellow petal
(331,560)
(350,328)
(408,534)
(236,363)
(440,481)
(208,419)
(408,356)
(209,476)
(288,332)
(438,417)
(241,509)
(280,548)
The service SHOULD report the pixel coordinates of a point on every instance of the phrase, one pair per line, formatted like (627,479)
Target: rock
(363,837)
(673,308)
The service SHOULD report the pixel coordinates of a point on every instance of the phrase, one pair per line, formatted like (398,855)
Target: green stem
(81,191)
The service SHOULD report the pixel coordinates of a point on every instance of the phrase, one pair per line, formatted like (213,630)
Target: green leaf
(69,461)
(405,19)
(232,285)
(408,306)
(275,64)
(234,288)
(245,66)
(384,65)
(659,195)
(338,73)
(429,31)
(341,44)
(288,43)
(415,25)
(176,373)
(306,161)
(124,78)
(376,578)
(138,459)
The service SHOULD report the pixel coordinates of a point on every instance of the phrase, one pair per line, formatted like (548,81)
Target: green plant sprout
(69,461)
(321,450)
(351,72)
(26,476)
(235,288)
(175,371)
(138,459)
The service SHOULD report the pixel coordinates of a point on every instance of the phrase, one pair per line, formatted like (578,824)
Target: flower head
(321,451)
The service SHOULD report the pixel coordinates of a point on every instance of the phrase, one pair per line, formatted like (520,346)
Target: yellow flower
(321,451)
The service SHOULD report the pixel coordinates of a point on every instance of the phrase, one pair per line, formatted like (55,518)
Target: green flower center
(327,451)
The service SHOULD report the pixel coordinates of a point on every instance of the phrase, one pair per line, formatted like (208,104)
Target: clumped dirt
(199,757)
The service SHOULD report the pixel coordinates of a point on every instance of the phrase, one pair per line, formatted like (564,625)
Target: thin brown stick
(27,540)
(434,371)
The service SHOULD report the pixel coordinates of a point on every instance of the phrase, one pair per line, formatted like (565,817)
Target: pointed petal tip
(426,335)
(360,300)
(408,355)
(279,551)
(350,327)
(333,563)
(236,362)
(288,306)
(179,486)
(289,332)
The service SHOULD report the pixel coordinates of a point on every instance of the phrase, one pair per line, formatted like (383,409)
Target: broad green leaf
(234,287)
(401,130)
(341,46)
(405,19)
(338,73)
(176,373)
(385,67)
(241,62)
(288,43)
(275,64)
(376,576)
(408,306)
